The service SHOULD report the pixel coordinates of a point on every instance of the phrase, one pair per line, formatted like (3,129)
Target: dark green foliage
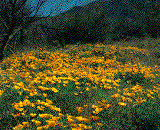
(74,34)
(67,103)
(146,116)
(7,121)
(97,22)
(98,53)
(1,55)
(65,98)
(129,19)
(8,97)
(133,78)
(95,65)
(125,31)
(104,115)
(85,56)
(152,26)
(84,80)
(4,67)
(117,118)
(118,76)
(143,116)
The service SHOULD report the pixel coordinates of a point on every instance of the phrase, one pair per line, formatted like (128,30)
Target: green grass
(91,86)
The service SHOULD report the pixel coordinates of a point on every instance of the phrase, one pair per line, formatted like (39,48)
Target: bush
(8,97)
(146,115)
(133,78)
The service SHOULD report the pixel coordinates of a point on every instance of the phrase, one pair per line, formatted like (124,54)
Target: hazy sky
(63,5)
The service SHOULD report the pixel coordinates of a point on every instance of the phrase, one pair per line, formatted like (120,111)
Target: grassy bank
(98,87)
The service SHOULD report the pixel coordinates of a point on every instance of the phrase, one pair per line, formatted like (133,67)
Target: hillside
(121,17)
(99,21)
(88,87)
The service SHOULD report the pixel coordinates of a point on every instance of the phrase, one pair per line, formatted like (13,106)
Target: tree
(15,16)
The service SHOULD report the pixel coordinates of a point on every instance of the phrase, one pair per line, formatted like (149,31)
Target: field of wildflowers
(97,87)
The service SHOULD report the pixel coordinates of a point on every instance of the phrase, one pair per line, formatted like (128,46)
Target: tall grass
(91,86)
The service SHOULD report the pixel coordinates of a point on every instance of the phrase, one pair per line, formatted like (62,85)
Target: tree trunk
(6,39)
(2,47)
(22,37)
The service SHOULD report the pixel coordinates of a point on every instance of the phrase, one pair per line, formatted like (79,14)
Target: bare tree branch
(12,36)
(3,22)
(20,5)
(39,5)
(15,1)
(15,15)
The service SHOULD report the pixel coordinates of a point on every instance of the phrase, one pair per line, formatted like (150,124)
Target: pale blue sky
(64,5)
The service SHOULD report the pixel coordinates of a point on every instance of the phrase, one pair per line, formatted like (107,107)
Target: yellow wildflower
(123,98)
(76,128)
(20,84)
(75,94)
(44,94)
(25,124)
(23,113)
(122,104)
(79,109)
(82,126)
(116,95)
(26,102)
(37,122)
(86,120)
(107,86)
(40,108)
(76,83)
(18,127)
(73,125)
(55,108)
(32,104)
(49,101)
(51,123)
(39,128)
(60,115)
(33,114)
(16,87)
(70,120)
(79,118)
(20,109)
(54,118)
(42,103)
(97,110)
(20,104)
(99,124)
(109,80)
(77,87)
(94,106)
(47,104)
(87,89)
(31,94)
(45,115)
(54,90)
(46,126)
(106,106)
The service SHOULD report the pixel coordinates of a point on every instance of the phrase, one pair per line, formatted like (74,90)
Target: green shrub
(146,115)
(8,97)
(133,78)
